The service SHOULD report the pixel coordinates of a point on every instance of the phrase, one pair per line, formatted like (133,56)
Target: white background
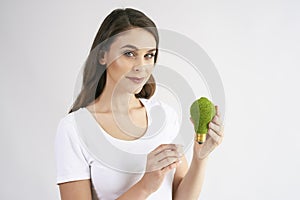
(254,45)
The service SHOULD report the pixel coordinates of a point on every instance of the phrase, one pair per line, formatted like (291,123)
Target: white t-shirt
(82,154)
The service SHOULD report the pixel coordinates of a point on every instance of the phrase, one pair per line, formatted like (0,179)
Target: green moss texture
(202,111)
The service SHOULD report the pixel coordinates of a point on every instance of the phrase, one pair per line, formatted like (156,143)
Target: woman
(117,90)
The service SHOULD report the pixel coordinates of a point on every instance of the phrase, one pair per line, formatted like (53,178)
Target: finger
(167,161)
(217,120)
(171,166)
(217,138)
(217,111)
(164,147)
(217,128)
(191,120)
(167,154)
(178,148)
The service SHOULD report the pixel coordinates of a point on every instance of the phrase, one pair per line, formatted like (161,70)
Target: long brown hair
(94,74)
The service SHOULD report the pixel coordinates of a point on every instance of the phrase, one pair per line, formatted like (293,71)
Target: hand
(213,139)
(160,161)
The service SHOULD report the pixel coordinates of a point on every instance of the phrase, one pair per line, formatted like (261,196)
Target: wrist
(143,188)
(198,159)
(137,191)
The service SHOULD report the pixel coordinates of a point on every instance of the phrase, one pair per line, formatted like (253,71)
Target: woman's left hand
(213,139)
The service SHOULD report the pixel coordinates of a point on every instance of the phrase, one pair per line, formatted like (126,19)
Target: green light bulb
(202,111)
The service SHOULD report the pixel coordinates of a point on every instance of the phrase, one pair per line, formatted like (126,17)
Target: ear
(102,56)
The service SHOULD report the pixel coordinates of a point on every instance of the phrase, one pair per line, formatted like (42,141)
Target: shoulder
(67,136)
(67,126)
(69,119)
(66,122)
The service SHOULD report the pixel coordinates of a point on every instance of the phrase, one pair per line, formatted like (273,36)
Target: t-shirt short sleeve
(71,163)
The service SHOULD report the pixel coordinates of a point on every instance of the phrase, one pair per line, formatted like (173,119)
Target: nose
(139,64)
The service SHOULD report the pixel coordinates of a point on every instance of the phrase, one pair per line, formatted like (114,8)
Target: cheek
(149,69)
(118,68)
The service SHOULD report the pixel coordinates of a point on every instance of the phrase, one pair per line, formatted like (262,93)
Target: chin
(132,90)
(138,91)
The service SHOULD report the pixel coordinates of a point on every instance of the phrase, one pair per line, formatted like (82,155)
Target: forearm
(191,185)
(137,192)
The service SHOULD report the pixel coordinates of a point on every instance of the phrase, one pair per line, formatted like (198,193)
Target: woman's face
(130,60)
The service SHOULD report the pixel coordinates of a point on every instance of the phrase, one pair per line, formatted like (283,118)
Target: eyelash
(130,52)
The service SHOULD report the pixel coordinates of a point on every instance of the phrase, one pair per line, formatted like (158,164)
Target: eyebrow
(135,48)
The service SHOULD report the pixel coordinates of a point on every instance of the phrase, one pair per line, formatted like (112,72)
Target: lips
(136,79)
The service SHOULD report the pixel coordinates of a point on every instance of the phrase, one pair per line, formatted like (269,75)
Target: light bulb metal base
(201,138)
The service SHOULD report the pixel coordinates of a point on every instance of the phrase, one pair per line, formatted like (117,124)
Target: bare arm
(180,172)
(191,184)
(137,192)
(159,161)
(76,190)
(81,190)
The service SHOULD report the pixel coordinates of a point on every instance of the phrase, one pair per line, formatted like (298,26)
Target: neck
(115,100)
